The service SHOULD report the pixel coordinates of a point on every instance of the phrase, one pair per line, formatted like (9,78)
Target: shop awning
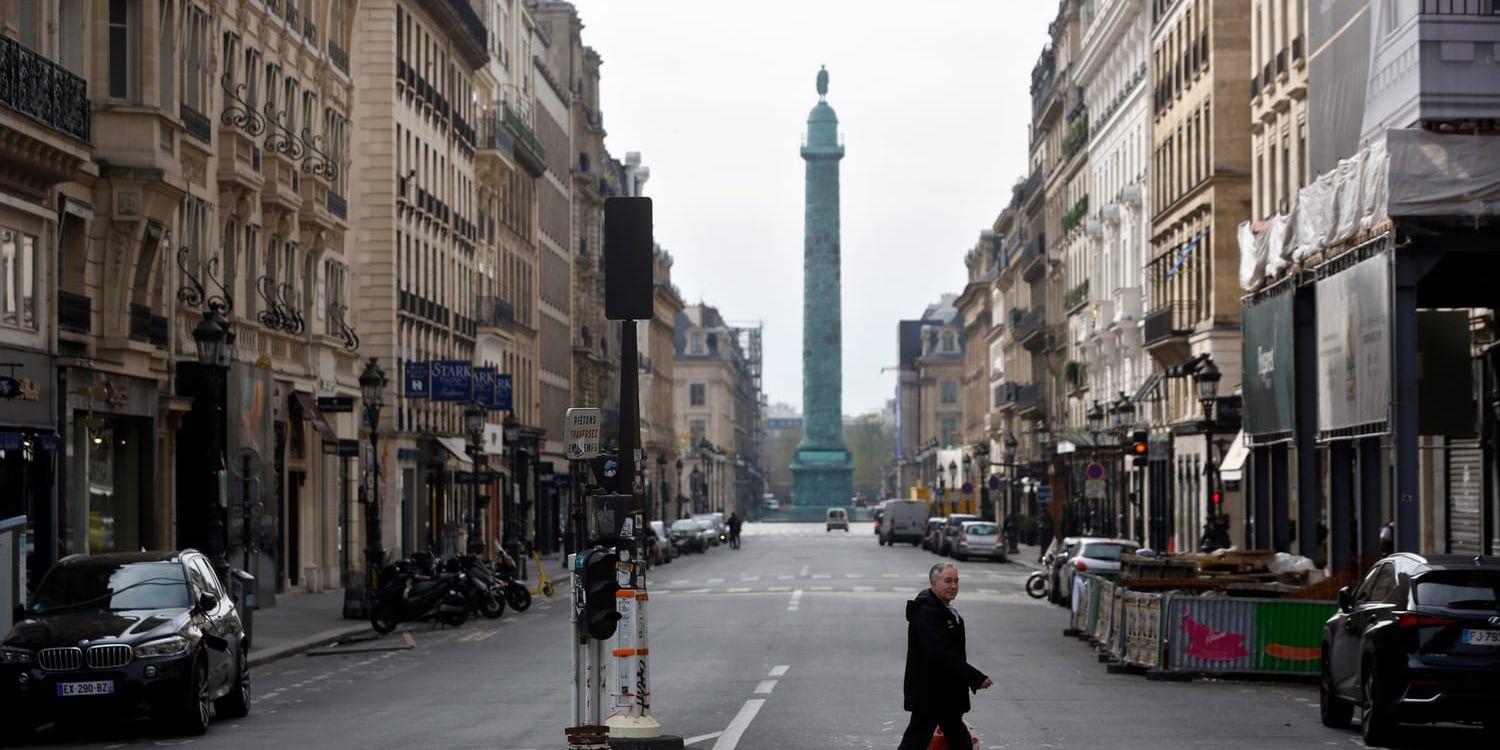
(314,416)
(1232,469)
(1144,392)
(459,449)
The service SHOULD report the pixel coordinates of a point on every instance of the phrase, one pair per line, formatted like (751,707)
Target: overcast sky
(933,102)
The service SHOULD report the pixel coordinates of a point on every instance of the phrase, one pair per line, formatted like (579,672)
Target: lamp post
(474,415)
(952,484)
(214,338)
(1043,433)
(679,489)
(1206,381)
(1010,447)
(515,514)
(661,484)
(968,473)
(697,477)
(1123,414)
(372,384)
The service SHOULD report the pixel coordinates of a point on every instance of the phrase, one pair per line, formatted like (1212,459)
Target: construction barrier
(1104,601)
(1224,635)
(1085,597)
(1143,629)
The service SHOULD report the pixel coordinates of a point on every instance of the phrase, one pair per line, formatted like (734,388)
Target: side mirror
(207,602)
(1346,600)
(19,614)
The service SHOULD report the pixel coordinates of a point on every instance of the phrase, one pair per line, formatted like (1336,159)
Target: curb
(259,657)
(1027,564)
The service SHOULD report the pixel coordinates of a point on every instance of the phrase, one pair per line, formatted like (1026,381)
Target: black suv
(1418,640)
(122,634)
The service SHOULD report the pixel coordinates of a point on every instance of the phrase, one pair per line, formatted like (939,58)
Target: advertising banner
(1268,367)
(484,386)
(453,380)
(416,380)
(1354,349)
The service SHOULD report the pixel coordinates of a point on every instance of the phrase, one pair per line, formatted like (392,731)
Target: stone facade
(716,404)
(1278,106)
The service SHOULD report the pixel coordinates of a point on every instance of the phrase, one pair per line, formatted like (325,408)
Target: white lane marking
(791,606)
(714,580)
(854,575)
(802,572)
(749,579)
(765,687)
(779,670)
(730,739)
(864,588)
(890,575)
(821,576)
(701,738)
(695,591)
(737,589)
(681,581)
(785,578)
(779,588)
(819,588)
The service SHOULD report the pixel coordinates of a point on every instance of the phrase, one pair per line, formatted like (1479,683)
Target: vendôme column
(822,473)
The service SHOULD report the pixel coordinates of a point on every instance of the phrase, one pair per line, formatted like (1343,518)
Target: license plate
(98,687)
(1482,637)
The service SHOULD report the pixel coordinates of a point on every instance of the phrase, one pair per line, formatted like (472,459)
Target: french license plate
(1482,637)
(98,687)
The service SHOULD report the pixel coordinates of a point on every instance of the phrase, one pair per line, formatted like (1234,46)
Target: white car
(837,518)
(979,539)
(1094,555)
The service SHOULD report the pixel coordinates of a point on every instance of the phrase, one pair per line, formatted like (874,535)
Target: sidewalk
(299,622)
(1026,557)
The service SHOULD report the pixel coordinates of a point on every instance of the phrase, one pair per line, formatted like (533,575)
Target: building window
(950,342)
(695,344)
(17,279)
(698,428)
(950,431)
(696,394)
(948,392)
(122,57)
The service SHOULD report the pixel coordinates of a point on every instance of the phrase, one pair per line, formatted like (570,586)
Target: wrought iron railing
(472,22)
(493,135)
(316,160)
(1032,322)
(339,57)
(340,326)
(237,112)
(338,206)
(75,312)
(43,90)
(522,131)
(1076,296)
(1035,250)
(1461,7)
(280,139)
(1169,320)
(195,123)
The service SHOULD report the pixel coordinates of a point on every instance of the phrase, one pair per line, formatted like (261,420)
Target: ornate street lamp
(1206,380)
(1043,435)
(372,384)
(517,457)
(474,419)
(1096,420)
(214,339)
(661,483)
(679,488)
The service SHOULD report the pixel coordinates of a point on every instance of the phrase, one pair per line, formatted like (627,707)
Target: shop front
(112,486)
(30,456)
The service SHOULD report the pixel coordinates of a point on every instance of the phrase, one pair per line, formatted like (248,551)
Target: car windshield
(705,524)
(981,529)
(1460,590)
(106,585)
(1106,550)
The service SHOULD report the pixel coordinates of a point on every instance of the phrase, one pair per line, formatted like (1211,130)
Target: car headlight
(16,655)
(164,647)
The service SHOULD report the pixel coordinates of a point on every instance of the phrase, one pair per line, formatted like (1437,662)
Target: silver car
(979,539)
(1094,555)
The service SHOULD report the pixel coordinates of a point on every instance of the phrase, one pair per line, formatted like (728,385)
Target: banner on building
(1445,375)
(1354,349)
(452,380)
(1269,386)
(416,378)
(492,389)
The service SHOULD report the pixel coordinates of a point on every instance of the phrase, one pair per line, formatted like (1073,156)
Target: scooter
(480,588)
(516,593)
(403,596)
(1040,580)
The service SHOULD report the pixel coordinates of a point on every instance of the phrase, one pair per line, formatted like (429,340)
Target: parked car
(836,518)
(979,539)
(1093,555)
(720,530)
(932,533)
(1059,559)
(951,526)
(1417,641)
(709,530)
(768,501)
(123,633)
(663,543)
(688,536)
(904,521)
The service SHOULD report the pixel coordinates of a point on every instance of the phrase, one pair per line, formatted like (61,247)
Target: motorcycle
(1040,581)
(405,596)
(516,593)
(481,591)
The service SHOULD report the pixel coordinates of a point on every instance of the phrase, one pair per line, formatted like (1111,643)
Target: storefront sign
(1354,349)
(452,380)
(27,389)
(416,380)
(1268,368)
(492,389)
(335,404)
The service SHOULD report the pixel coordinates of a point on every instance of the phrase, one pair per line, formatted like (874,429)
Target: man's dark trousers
(919,732)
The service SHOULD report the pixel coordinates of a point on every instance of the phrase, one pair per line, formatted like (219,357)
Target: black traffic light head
(601,586)
(1138,448)
(628,245)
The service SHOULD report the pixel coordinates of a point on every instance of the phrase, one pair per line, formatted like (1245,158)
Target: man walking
(938,675)
(735,522)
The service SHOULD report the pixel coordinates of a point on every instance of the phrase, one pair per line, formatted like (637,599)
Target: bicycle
(543,586)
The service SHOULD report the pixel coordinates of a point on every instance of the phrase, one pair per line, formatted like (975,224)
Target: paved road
(795,641)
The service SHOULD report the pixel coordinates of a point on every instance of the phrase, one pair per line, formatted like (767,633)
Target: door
(293,543)
(1370,601)
(218,641)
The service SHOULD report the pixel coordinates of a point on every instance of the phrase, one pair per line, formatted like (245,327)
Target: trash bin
(242,588)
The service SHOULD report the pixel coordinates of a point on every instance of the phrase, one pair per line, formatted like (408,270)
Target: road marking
(796,599)
(714,580)
(822,576)
(864,588)
(779,670)
(898,589)
(819,588)
(803,572)
(890,575)
(854,575)
(681,581)
(785,578)
(765,687)
(701,738)
(695,591)
(737,589)
(730,739)
(779,588)
(749,579)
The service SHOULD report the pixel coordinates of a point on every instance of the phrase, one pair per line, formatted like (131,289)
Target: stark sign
(582,432)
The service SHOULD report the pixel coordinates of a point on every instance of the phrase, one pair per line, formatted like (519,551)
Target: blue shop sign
(417,379)
(503,389)
(484,385)
(453,380)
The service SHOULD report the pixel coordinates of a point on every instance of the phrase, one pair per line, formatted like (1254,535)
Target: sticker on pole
(582,432)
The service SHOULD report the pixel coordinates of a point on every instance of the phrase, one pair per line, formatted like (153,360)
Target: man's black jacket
(938,675)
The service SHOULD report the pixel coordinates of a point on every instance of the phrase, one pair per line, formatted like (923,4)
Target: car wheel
(236,705)
(1333,710)
(191,715)
(1377,719)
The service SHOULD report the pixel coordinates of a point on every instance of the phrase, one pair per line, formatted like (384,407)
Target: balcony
(147,326)
(1030,328)
(1075,215)
(1170,322)
(196,124)
(1028,399)
(1281,63)
(75,312)
(1034,258)
(1297,52)
(529,150)
(1077,136)
(339,56)
(1076,297)
(496,312)
(338,206)
(43,90)
(1005,394)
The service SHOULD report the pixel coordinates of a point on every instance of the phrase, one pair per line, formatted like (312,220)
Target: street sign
(453,380)
(994,481)
(968,488)
(1093,489)
(416,380)
(9,387)
(1093,470)
(474,477)
(581,434)
(336,404)
(1044,494)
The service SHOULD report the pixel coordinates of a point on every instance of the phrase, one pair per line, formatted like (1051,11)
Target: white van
(904,521)
(837,518)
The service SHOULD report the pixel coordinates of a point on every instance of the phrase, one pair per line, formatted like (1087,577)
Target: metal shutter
(1465,483)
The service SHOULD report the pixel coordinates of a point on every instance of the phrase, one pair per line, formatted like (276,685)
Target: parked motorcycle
(405,596)
(1040,581)
(481,589)
(517,595)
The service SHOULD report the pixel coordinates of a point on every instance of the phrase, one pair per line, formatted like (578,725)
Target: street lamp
(372,392)
(697,477)
(1096,420)
(1206,380)
(474,418)
(952,484)
(679,488)
(516,455)
(214,339)
(661,483)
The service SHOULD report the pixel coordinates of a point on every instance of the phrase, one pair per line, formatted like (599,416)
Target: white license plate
(1482,637)
(98,687)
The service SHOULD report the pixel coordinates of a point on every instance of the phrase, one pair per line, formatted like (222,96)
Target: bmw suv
(125,634)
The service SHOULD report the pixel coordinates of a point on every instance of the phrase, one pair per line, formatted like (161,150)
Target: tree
(871,443)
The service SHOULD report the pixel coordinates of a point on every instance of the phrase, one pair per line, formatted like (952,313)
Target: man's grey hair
(936,571)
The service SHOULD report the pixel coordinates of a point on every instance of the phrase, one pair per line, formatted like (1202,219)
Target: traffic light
(1138,448)
(600,585)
